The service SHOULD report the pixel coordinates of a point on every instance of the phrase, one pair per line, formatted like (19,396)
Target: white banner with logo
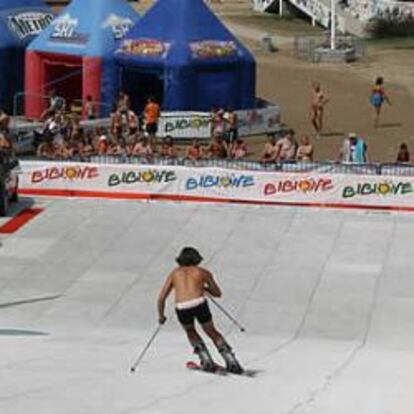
(198,124)
(216,184)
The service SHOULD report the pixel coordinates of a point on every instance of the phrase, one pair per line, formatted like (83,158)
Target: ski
(220,370)
(195,366)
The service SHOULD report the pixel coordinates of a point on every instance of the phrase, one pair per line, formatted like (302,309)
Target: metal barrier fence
(329,167)
(76,106)
(305,47)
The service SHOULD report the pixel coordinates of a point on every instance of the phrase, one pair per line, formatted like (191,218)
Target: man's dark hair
(189,256)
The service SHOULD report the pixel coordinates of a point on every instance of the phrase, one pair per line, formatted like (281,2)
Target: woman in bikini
(304,152)
(377,98)
(194,151)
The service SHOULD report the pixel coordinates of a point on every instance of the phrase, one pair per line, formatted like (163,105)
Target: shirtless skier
(190,283)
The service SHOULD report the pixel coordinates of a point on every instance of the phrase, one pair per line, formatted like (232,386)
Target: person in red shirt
(403,155)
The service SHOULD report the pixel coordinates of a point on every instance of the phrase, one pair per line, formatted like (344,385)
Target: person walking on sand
(377,98)
(190,283)
(318,102)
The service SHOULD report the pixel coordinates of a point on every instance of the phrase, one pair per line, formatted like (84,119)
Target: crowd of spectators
(287,148)
(129,134)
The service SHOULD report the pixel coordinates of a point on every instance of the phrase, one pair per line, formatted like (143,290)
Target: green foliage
(386,27)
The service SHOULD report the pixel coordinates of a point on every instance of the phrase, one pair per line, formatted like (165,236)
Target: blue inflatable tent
(73,56)
(181,54)
(20,22)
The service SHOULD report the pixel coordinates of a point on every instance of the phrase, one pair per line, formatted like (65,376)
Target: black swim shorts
(152,128)
(200,312)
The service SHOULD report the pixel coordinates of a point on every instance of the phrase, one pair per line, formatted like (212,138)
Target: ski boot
(232,365)
(206,361)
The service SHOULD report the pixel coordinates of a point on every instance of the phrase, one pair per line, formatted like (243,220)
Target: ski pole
(227,314)
(141,355)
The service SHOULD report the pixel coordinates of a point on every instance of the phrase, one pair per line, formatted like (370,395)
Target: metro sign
(29,23)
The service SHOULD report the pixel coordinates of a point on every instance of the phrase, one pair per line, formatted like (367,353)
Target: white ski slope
(327,298)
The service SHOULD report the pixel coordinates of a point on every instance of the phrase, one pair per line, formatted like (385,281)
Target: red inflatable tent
(73,56)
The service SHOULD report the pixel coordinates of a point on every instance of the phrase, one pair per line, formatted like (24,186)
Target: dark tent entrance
(142,84)
(65,78)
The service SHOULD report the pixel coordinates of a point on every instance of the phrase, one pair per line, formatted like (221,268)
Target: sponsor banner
(119,25)
(217,184)
(213,49)
(144,47)
(29,23)
(71,177)
(198,124)
(65,30)
(185,125)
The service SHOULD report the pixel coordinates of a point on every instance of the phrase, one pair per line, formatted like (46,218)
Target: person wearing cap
(354,149)
(102,145)
(190,283)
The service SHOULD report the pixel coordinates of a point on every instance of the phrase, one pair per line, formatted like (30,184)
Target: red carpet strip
(18,221)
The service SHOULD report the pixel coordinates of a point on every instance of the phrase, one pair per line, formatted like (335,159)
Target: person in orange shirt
(151,116)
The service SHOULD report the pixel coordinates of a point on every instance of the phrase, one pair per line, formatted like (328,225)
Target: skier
(190,282)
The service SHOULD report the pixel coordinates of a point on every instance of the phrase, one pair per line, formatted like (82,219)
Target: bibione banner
(216,184)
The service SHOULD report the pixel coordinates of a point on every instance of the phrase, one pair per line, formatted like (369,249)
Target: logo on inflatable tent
(209,49)
(64,30)
(119,25)
(29,23)
(144,47)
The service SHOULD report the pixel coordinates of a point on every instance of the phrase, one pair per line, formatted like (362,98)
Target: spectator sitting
(132,140)
(102,145)
(217,148)
(4,122)
(117,148)
(66,151)
(239,150)
(87,149)
(287,147)
(143,149)
(354,149)
(403,155)
(168,149)
(304,152)
(194,152)
(270,151)
(5,144)
(45,150)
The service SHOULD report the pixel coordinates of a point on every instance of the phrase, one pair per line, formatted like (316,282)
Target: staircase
(320,13)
